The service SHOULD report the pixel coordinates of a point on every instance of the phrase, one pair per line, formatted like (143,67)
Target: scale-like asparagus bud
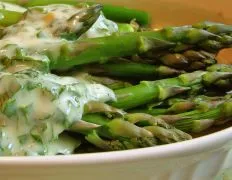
(213,27)
(127,131)
(203,113)
(220,68)
(121,135)
(159,128)
(120,144)
(188,60)
(86,17)
(127,134)
(98,107)
(223,31)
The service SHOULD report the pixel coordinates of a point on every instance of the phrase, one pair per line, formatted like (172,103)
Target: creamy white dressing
(102,27)
(11,7)
(42,108)
(38,34)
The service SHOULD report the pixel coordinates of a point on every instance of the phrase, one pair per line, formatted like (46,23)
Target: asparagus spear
(125,143)
(115,13)
(207,112)
(124,128)
(130,69)
(114,134)
(100,49)
(214,27)
(226,84)
(124,134)
(159,90)
(66,54)
(125,15)
(220,68)
(198,121)
(179,105)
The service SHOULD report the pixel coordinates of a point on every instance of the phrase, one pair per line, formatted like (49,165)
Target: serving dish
(202,158)
(205,158)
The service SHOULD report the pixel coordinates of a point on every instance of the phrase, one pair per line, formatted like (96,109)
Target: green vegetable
(119,134)
(66,54)
(198,121)
(160,90)
(114,13)
(130,69)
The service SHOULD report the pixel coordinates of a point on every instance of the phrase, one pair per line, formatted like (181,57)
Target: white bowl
(205,158)
(199,159)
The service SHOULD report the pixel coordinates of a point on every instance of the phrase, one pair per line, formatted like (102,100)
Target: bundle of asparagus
(131,86)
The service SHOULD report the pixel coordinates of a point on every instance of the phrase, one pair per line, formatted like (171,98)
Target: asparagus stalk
(179,105)
(160,90)
(130,69)
(118,134)
(123,130)
(175,108)
(195,121)
(135,43)
(226,84)
(100,49)
(124,144)
(68,53)
(124,134)
(214,27)
(126,15)
(115,13)
(217,28)
(220,68)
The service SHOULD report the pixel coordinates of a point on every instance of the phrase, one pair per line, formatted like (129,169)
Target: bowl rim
(202,144)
